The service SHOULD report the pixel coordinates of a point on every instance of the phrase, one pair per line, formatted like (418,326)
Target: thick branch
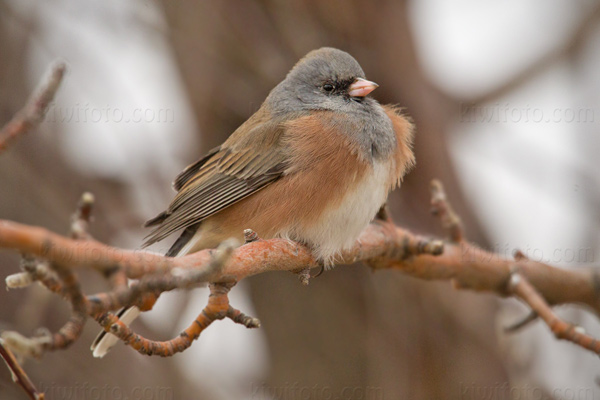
(381,245)
(470,267)
(379,241)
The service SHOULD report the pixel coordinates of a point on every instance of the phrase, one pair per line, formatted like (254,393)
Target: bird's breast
(338,225)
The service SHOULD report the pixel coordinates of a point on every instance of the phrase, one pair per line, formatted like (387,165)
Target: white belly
(338,228)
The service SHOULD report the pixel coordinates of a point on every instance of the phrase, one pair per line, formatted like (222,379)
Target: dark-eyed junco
(314,164)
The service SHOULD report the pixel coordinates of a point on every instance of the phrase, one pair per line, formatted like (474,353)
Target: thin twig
(441,208)
(218,307)
(522,323)
(73,328)
(18,374)
(521,288)
(64,282)
(563,50)
(80,220)
(177,279)
(33,113)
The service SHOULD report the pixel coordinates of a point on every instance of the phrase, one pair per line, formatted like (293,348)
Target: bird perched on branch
(314,164)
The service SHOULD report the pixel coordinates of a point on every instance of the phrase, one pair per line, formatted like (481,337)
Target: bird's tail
(104,341)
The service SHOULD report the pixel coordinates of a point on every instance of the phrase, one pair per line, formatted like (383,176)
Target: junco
(314,164)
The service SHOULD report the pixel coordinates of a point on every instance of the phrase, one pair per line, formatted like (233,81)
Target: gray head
(325,79)
(332,80)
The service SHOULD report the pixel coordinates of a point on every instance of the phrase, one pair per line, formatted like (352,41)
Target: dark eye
(328,87)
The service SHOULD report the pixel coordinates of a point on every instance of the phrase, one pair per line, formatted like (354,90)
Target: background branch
(18,374)
(33,113)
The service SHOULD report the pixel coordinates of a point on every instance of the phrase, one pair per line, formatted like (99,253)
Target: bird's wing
(248,161)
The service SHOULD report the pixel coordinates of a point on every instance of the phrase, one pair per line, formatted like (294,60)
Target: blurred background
(505,97)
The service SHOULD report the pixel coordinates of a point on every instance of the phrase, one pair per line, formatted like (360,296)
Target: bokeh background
(505,97)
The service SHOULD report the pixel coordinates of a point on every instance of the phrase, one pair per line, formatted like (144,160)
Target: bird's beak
(361,87)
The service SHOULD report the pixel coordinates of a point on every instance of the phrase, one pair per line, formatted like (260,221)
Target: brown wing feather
(247,162)
(185,175)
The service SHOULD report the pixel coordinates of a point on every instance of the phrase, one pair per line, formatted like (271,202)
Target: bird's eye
(328,87)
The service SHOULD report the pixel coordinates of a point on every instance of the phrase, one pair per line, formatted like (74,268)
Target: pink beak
(361,87)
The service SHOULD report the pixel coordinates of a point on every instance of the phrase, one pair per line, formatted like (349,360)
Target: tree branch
(382,246)
(571,44)
(33,113)
(53,260)
(18,374)
(522,289)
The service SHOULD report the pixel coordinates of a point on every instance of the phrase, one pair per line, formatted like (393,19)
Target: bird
(314,164)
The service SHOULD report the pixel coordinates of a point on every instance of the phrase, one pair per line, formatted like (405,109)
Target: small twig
(19,280)
(522,323)
(250,236)
(40,271)
(80,220)
(69,289)
(406,246)
(440,207)
(561,52)
(33,113)
(80,225)
(177,279)
(521,288)
(24,346)
(71,331)
(218,307)
(240,318)
(34,269)
(304,275)
(67,285)
(18,374)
